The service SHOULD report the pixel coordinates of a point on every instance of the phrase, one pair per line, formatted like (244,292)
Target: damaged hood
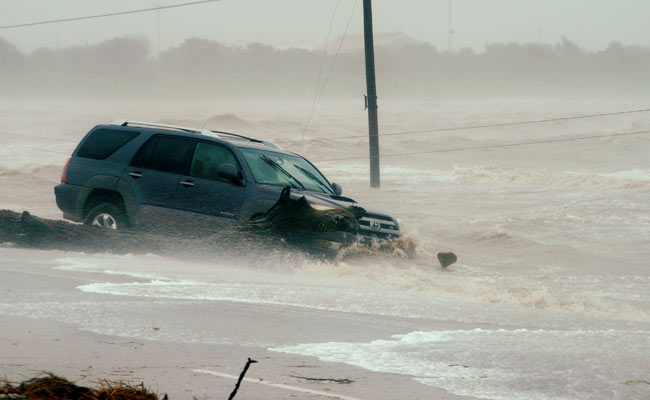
(334,201)
(325,199)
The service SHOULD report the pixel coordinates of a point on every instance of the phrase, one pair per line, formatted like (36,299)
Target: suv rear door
(154,174)
(203,191)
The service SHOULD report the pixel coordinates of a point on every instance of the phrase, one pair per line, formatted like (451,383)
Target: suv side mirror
(229,171)
(338,190)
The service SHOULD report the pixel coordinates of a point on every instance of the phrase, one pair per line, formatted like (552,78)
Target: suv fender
(124,189)
(72,199)
(106,184)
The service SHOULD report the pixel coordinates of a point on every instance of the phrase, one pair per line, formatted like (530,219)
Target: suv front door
(203,190)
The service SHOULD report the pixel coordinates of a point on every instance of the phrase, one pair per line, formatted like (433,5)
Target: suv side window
(207,160)
(143,156)
(100,144)
(164,153)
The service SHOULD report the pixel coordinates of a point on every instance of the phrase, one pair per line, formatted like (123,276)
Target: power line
(469,127)
(320,69)
(495,146)
(108,14)
(41,150)
(437,130)
(319,91)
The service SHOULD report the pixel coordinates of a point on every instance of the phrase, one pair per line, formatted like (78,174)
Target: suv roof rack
(190,130)
(164,126)
(238,136)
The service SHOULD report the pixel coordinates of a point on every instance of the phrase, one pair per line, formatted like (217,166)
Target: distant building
(355,43)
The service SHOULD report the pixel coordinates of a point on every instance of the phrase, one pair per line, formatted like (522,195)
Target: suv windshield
(284,169)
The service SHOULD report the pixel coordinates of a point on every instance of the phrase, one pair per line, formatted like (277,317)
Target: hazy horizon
(201,68)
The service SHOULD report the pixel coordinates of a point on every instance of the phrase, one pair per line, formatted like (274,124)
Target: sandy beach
(33,345)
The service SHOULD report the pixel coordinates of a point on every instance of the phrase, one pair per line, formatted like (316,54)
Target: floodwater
(550,295)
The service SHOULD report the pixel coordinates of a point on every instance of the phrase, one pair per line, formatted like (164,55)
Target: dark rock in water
(446,258)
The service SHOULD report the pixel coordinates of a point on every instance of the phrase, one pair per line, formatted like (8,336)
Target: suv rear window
(103,142)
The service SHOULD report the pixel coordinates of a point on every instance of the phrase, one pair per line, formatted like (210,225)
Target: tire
(107,216)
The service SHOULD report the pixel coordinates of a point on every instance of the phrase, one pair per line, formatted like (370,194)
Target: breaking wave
(50,171)
(221,122)
(375,285)
(545,178)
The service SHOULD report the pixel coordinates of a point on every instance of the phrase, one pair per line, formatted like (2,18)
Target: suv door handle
(136,174)
(187,183)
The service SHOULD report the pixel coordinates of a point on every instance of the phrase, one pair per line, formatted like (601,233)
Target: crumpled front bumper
(372,228)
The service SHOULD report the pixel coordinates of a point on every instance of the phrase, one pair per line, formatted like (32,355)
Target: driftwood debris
(241,378)
(52,387)
(343,381)
(632,381)
(25,230)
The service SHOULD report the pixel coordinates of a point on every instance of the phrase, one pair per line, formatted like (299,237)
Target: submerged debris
(632,381)
(52,387)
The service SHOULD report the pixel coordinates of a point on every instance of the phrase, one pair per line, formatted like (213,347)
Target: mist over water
(126,68)
(549,298)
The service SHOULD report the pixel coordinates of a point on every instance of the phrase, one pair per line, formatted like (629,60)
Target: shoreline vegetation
(206,69)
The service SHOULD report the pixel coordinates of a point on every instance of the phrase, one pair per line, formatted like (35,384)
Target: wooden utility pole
(371,99)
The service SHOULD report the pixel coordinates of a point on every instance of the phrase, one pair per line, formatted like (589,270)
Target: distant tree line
(200,68)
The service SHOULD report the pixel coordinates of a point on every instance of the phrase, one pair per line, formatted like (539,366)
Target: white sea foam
(633,178)
(631,174)
(501,364)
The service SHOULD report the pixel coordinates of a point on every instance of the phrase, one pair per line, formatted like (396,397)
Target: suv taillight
(64,174)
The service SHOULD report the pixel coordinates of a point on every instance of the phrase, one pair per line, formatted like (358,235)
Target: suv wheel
(107,216)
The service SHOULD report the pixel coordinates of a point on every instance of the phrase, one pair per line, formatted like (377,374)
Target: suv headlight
(322,207)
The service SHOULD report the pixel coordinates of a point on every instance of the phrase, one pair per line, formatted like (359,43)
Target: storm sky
(590,23)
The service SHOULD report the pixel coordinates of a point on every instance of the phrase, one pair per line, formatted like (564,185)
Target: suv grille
(378,226)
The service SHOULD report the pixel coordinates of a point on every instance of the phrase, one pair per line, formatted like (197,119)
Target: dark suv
(134,173)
